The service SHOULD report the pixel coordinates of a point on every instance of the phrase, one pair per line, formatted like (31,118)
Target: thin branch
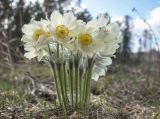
(150,27)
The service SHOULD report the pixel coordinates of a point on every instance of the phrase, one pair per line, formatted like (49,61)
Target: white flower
(89,41)
(64,27)
(36,37)
(100,67)
(112,37)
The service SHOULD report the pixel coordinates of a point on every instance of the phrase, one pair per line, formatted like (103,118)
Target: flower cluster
(76,51)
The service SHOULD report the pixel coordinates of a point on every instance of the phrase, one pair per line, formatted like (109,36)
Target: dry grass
(123,94)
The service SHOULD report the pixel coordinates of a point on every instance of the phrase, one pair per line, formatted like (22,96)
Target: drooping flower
(100,66)
(111,38)
(36,37)
(64,27)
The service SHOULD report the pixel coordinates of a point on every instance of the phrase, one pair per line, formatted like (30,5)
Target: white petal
(95,77)
(28,29)
(99,70)
(30,55)
(45,25)
(41,54)
(96,24)
(103,61)
(27,38)
(85,49)
(41,40)
(107,61)
(98,46)
(68,19)
(29,47)
(56,18)
(110,50)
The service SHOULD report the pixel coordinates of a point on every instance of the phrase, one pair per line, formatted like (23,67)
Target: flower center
(40,32)
(61,31)
(86,39)
(37,34)
(47,34)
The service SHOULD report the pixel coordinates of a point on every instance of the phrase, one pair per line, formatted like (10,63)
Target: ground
(126,92)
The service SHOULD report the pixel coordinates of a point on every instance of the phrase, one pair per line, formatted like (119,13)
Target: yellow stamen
(61,31)
(40,32)
(86,39)
(37,34)
(47,34)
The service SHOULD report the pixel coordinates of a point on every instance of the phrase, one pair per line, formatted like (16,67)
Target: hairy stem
(65,81)
(81,90)
(71,83)
(57,85)
(76,84)
(84,88)
(88,85)
(57,50)
(61,85)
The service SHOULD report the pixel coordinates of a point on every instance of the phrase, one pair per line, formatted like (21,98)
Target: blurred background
(133,78)
(138,20)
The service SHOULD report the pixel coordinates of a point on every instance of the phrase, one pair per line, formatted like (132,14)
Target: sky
(120,7)
(153,19)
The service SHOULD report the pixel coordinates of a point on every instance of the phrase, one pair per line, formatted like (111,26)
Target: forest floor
(126,92)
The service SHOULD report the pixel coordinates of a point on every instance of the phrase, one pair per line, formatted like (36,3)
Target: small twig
(150,27)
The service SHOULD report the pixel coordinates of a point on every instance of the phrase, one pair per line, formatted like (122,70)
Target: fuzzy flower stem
(57,50)
(81,88)
(76,84)
(88,85)
(59,70)
(65,81)
(71,82)
(84,88)
(56,82)
(53,71)
(88,80)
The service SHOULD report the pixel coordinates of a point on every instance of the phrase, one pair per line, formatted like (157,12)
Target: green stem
(57,86)
(71,82)
(84,88)
(81,91)
(61,86)
(88,80)
(76,85)
(65,81)
(89,76)
(88,84)
(57,50)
